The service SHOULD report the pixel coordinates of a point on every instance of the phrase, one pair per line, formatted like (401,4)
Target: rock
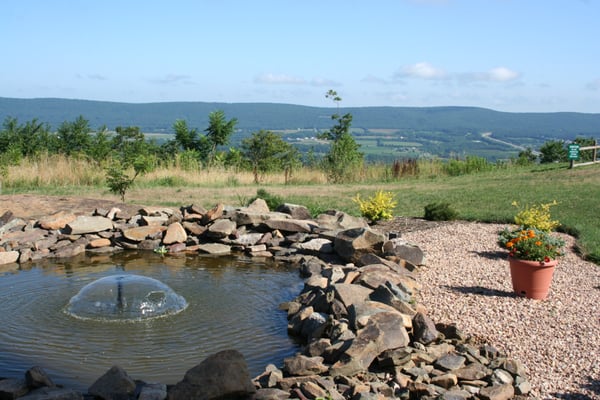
(338,220)
(70,250)
(154,220)
(387,294)
(472,372)
(351,244)
(156,211)
(8,257)
(86,224)
(313,391)
(213,214)
(194,228)
(258,206)
(497,392)
(294,210)
(350,294)
(449,362)
(300,365)
(316,246)
(12,388)
(221,228)
(153,391)
(271,394)
(216,249)
(52,393)
(6,217)
(175,234)
(221,375)
(97,243)
(424,330)
(402,249)
(57,220)
(36,377)
(141,233)
(289,225)
(248,239)
(384,331)
(114,384)
(24,238)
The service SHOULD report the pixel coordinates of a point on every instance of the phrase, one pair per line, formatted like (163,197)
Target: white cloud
(502,74)
(421,70)
(279,79)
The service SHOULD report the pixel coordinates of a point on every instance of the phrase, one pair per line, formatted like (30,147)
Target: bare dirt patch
(31,206)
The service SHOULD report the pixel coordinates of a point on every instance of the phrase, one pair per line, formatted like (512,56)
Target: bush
(536,216)
(378,207)
(440,212)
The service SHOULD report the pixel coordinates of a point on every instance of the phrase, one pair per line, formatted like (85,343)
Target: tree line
(126,153)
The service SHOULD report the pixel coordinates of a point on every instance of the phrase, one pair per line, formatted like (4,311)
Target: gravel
(466,280)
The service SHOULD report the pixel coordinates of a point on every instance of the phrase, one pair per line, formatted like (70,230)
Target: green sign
(573,152)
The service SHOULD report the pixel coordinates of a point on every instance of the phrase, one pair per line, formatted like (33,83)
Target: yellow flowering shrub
(536,216)
(377,207)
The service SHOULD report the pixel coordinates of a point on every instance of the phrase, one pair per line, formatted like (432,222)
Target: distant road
(488,136)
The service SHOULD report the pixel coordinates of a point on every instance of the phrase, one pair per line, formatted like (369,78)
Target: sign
(573,152)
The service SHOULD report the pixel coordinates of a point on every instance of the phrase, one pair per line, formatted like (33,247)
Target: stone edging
(364,335)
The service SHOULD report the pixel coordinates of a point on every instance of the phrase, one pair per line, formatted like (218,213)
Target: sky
(506,55)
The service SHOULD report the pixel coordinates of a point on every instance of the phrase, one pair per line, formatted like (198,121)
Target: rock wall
(364,335)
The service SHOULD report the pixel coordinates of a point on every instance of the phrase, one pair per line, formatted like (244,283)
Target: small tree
(344,160)
(265,151)
(117,178)
(526,157)
(130,151)
(74,137)
(553,151)
(218,132)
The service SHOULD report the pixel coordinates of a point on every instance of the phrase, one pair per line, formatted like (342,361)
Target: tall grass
(485,195)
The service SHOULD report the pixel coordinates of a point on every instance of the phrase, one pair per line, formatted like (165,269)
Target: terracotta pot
(531,279)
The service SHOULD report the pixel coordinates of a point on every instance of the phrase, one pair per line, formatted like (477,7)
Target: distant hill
(425,124)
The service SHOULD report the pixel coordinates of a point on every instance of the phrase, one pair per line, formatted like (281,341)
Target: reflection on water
(232,303)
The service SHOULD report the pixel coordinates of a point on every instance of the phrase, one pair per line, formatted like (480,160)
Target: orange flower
(538,243)
(509,244)
(531,234)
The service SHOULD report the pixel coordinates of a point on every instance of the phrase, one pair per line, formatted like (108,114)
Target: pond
(232,303)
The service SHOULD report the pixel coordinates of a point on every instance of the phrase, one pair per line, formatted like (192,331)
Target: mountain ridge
(159,116)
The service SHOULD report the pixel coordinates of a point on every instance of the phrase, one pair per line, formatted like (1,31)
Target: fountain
(154,316)
(125,298)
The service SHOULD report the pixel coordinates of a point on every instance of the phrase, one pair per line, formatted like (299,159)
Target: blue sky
(508,55)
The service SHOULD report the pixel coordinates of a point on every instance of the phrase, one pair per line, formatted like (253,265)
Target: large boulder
(351,244)
(294,210)
(222,375)
(384,331)
(114,384)
(57,220)
(88,224)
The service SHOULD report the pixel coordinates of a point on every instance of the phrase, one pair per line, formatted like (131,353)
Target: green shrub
(377,207)
(440,212)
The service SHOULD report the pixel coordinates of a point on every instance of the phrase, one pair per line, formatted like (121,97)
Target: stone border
(364,334)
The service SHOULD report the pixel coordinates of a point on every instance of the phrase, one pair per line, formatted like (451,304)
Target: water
(232,304)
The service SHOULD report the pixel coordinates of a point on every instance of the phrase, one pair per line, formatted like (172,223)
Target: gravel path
(466,280)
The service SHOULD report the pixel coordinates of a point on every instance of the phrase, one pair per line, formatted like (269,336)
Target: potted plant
(532,250)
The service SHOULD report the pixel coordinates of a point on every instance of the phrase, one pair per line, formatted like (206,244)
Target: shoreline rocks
(364,335)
